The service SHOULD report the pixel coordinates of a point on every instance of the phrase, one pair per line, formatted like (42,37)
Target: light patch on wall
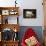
(7,3)
(7,0)
(20,2)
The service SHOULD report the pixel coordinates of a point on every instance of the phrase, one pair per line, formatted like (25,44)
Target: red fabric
(29,33)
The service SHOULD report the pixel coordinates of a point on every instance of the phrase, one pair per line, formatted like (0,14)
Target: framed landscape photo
(29,13)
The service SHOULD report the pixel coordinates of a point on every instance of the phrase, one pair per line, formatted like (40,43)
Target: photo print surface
(29,13)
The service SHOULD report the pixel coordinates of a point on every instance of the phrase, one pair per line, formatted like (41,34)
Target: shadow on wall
(37,29)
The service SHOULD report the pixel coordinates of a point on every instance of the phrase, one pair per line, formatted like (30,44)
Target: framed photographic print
(29,13)
(5,12)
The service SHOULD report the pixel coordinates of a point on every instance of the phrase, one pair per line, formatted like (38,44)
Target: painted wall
(27,4)
(31,4)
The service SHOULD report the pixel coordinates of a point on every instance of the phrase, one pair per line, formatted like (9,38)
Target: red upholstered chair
(28,34)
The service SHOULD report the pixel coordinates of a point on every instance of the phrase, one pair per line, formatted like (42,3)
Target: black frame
(29,10)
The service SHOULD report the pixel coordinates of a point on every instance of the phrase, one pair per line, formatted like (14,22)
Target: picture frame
(13,12)
(29,13)
(5,12)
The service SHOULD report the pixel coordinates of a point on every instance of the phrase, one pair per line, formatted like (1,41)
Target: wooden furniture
(44,8)
(44,37)
(10,43)
(11,26)
(8,11)
(0,43)
(5,12)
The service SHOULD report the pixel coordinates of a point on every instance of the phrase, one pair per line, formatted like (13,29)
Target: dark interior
(9,35)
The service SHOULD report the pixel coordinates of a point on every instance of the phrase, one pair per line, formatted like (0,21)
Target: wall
(27,4)
(7,3)
(31,4)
